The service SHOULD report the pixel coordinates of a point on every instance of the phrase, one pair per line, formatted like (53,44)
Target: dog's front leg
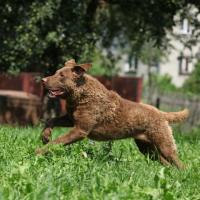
(64,121)
(74,135)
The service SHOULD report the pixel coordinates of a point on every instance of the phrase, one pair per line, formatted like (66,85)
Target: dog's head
(65,79)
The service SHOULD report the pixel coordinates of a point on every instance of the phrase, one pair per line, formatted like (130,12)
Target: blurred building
(183,54)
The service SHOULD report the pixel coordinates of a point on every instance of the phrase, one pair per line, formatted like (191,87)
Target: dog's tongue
(54,93)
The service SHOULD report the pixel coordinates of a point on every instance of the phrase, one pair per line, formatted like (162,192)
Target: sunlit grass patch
(88,170)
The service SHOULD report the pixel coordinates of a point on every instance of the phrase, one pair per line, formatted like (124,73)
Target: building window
(155,66)
(185,27)
(185,64)
(133,64)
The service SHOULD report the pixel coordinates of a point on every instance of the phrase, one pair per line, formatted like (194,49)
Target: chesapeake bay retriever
(103,115)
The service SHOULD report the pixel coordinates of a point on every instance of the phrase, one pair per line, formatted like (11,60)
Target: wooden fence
(176,102)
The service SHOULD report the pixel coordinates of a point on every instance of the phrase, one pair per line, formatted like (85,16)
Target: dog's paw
(46,134)
(45,139)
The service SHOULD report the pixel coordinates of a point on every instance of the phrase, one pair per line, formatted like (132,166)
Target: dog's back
(114,106)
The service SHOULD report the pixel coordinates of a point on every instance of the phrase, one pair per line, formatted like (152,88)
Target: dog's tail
(174,117)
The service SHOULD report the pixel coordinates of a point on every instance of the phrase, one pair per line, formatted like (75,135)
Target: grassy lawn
(86,170)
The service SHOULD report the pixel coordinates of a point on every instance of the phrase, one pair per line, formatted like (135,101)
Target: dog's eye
(61,75)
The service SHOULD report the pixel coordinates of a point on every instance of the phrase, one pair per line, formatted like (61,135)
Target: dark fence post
(158,102)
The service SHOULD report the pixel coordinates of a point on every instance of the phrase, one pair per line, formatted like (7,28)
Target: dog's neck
(85,90)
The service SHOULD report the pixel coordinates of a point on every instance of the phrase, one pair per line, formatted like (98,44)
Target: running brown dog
(101,114)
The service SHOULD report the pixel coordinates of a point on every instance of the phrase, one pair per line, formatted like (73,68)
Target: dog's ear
(70,63)
(80,69)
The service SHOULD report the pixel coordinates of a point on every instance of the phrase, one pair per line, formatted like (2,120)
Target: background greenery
(190,87)
(41,35)
(192,84)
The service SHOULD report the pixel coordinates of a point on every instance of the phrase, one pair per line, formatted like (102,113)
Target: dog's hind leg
(64,121)
(149,150)
(163,139)
(170,154)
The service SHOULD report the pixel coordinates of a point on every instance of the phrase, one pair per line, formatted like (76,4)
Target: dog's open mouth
(55,93)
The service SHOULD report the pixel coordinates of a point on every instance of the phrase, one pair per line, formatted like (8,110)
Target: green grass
(85,170)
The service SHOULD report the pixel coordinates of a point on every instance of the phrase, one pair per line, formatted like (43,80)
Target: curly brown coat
(101,114)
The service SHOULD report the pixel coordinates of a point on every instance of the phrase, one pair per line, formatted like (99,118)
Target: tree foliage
(163,83)
(192,84)
(41,35)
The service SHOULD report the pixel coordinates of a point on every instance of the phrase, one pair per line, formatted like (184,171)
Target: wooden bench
(18,107)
